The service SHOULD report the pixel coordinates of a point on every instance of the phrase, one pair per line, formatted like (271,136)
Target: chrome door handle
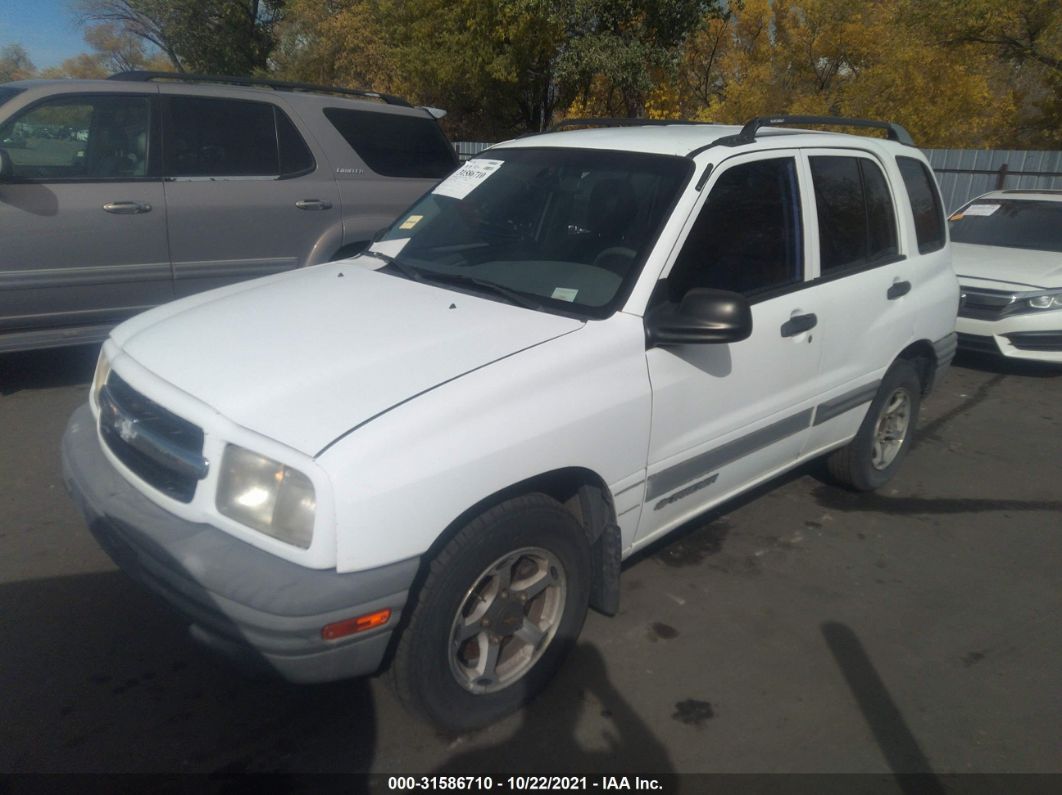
(127,208)
(313,204)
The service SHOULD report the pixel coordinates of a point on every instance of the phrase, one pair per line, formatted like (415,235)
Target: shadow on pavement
(98,677)
(548,740)
(987,363)
(898,745)
(48,368)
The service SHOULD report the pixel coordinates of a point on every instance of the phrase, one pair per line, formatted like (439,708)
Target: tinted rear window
(1021,223)
(857,223)
(233,138)
(395,145)
(7,93)
(925,203)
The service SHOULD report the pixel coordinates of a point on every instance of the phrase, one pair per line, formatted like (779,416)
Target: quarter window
(232,138)
(925,204)
(747,238)
(857,222)
(395,145)
(81,138)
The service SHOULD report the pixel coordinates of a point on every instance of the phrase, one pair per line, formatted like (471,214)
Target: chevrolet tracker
(437,454)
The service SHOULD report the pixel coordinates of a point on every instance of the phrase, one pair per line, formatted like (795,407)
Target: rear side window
(232,138)
(395,145)
(857,222)
(925,203)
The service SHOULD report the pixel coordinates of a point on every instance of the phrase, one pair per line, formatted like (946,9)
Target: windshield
(565,230)
(1014,223)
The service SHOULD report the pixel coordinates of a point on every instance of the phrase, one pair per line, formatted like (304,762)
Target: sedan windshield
(6,93)
(1013,223)
(566,230)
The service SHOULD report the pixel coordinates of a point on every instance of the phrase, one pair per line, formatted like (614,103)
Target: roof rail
(278,85)
(604,122)
(748,132)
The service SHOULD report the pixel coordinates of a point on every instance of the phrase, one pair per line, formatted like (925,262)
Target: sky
(46,28)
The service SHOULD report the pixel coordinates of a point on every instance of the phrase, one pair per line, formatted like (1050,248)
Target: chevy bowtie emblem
(126,428)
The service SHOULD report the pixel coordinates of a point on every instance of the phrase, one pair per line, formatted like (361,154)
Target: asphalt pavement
(800,629)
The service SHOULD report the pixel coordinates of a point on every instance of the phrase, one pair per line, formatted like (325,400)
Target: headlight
(266,495)
(1052,300)
(103,369)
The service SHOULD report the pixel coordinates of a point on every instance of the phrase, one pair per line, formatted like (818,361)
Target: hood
(304,357)
(1026,268)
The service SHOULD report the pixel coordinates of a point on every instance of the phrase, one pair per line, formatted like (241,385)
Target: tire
(500,608)
(871,459)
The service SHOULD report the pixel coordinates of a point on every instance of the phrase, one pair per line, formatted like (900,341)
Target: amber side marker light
(351,626)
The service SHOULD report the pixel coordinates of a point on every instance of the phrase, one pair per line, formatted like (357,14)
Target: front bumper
(1034,337)
(259,610)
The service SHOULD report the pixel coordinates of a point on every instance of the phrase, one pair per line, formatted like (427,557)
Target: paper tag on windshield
(467,178)
(565,293)
(980,209)
(410,222)
(391,248)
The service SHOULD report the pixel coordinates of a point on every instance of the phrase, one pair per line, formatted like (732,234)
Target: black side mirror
(703,316)
(7,170)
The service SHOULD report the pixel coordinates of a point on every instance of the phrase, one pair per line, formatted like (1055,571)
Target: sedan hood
(304,357)
(1027,268)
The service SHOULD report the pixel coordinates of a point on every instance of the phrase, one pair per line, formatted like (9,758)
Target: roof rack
(748,132)
(605,122)
(278,85)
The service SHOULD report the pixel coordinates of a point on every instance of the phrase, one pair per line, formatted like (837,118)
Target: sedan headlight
(103,370)
(266,495)
(1051,300)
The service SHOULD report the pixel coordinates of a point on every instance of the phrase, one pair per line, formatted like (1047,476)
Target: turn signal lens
(351,626)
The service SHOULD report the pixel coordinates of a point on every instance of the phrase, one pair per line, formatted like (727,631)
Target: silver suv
(117,195)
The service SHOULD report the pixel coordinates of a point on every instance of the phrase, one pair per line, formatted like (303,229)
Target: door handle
(898,290)
(313,204)
(798,324)
(127,208)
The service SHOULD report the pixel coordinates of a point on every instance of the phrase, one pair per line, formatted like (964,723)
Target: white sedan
(1007,254)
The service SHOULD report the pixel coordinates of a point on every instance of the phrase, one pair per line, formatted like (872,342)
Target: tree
(114,50)
(216,36)
(15,63)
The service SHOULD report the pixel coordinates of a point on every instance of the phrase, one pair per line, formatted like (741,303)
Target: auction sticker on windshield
(467,178)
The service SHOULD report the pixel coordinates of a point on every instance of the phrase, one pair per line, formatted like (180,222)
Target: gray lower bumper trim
(237,595)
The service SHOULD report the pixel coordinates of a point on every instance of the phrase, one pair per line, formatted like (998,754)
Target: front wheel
(501,606)
(883,439)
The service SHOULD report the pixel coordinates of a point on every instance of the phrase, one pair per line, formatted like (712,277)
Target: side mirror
(703,316)
(7,170)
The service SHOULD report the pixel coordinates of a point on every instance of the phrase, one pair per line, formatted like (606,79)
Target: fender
(581,400)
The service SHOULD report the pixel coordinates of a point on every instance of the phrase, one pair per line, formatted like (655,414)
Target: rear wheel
(883,439)
(502,605)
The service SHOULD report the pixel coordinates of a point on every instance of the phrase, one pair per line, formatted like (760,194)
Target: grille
(981,304)
(978,344)
(161,448)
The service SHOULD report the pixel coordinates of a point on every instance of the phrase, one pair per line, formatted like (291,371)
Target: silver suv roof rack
(277,85)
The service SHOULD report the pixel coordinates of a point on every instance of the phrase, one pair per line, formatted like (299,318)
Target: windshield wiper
(512,296)
(405,270)
(417,275)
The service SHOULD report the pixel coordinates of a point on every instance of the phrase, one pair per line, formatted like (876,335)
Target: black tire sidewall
(900,375)
(427,674)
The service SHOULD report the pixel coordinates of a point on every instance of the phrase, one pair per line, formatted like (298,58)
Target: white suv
(439,452)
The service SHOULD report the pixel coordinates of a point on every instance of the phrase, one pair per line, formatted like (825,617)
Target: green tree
(114,50)
(15,63)
(216,36)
